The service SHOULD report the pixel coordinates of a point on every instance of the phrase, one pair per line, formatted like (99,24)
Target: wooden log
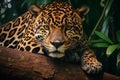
(18,65)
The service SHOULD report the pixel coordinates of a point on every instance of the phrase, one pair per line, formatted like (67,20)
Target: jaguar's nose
(57,44)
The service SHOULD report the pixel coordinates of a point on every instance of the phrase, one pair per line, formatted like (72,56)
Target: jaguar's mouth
(56,54)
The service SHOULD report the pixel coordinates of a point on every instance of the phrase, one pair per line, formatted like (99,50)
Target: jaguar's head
(58,27)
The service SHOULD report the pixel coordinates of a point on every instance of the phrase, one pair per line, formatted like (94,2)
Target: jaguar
(55,30)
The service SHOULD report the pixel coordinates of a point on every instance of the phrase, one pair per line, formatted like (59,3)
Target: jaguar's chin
(56,55)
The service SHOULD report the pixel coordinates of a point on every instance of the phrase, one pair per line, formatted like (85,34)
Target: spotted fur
(53,29)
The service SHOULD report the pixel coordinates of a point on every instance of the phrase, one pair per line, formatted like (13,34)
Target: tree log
(18,65)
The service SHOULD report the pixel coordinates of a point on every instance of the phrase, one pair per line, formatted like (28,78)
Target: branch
(18,65)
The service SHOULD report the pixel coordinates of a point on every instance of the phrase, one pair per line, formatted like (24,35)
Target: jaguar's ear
(82,11)
(35,10)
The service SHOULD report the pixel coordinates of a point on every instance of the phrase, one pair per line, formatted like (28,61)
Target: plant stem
(99,21)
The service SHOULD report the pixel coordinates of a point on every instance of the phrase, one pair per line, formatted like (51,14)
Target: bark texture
(18,65)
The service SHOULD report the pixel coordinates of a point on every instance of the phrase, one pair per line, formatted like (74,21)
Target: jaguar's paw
(91,68)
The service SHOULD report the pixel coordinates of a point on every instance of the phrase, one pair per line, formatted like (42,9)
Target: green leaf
(111,49)
(40,2)
(98,41)
(108,7)
(103,36)
(100,45)
(118,36)
(43,2)
(118,60)
(28,2)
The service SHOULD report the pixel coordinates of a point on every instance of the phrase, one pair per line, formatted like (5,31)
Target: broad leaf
(108,7)
(118,60)
(28,2)
(98,41)
(100,45)
(111,49)
(40,2)
(103,36)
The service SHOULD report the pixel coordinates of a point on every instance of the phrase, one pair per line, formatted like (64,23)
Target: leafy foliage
(106,42)
(40,2)
(106,37)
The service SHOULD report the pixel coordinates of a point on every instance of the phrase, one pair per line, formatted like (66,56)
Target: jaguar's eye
(68,27)
(46,27)
(40,38)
